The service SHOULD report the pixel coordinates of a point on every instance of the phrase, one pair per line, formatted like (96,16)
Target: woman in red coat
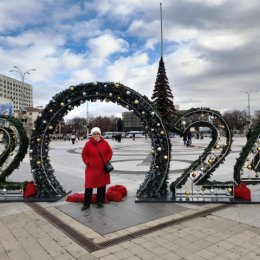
(95,175)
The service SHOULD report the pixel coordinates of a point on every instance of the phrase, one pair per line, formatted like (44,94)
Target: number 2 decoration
(14,144)
(193,184)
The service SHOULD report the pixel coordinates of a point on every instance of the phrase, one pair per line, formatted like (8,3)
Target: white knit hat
(95,130)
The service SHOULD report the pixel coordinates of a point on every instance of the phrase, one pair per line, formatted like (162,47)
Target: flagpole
(161,30)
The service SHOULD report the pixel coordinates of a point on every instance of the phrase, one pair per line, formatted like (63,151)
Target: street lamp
(87,120)
(22,74)
(248,100)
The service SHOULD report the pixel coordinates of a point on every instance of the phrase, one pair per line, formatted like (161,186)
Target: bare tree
(237,120)
(256,118)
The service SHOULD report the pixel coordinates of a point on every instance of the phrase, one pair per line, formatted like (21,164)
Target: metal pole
(22,75)
(249,107)
(87,119)
(249,112)
(161,30)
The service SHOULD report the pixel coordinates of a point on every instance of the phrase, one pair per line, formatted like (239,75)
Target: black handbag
(108,167)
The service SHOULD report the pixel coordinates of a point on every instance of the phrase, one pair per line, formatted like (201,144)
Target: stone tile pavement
(219,235)
(229,233)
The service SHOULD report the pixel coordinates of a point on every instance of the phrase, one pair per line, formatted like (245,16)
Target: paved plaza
(128,230)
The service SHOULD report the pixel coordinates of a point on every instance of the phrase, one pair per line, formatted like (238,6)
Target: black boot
(100,205)
(84,207)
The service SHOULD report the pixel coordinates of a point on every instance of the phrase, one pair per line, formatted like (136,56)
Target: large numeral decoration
(14,143)
(201,169)
(155,183)
(247,167)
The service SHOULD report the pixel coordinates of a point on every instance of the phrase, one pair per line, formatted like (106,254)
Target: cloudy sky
(211,48)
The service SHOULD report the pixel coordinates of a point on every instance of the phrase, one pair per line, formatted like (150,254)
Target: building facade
(131,122)
(20,93)
(27,116)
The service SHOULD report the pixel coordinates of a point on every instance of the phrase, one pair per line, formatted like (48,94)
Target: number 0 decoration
(154,185)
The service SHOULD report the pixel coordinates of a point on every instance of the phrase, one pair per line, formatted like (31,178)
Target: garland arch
(156,181)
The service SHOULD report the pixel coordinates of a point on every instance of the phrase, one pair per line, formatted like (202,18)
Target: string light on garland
(249,167)
(230,190)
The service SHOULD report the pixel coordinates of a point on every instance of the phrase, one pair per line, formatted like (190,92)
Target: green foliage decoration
(17,144)
(252,143)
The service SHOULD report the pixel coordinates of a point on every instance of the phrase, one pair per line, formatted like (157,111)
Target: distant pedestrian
(185,138)
(73,138)
(119,137)
(189,136)
(249,133)
(95,153)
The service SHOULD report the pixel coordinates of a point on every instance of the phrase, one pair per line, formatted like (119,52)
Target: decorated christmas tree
(162,95)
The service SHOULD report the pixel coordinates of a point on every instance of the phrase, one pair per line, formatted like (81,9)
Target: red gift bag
(79,197)
(30,190)
(116,193)
(241,191)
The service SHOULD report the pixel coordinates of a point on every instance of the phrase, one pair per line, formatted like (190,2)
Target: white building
(27,116)
(19,92)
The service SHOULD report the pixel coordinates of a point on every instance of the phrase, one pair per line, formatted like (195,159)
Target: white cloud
(19,13)
(106,45)
(222,40)
(211,47)
(72,60)
(82,76)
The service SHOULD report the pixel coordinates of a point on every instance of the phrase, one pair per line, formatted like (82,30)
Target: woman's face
(96,136)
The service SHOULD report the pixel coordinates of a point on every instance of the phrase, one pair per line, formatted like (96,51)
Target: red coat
(95,176)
